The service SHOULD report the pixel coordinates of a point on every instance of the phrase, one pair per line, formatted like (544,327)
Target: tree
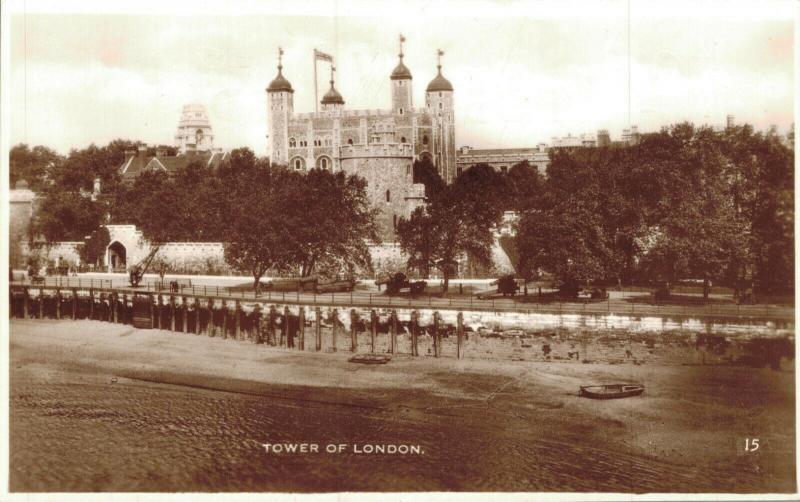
(258,237)
(331,218)
(426,173)
(562,231)
(64,216)
(458,221)
(31,165)
(94,247)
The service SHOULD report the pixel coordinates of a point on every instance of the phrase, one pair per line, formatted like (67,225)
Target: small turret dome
(280,84)
(332,97)
(401,72)
(439,83)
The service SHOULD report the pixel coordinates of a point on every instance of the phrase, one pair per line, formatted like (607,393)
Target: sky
(523,71)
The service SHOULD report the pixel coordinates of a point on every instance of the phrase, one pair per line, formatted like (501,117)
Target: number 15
(750,445)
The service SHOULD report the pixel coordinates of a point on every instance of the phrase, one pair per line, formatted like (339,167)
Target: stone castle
(379,145)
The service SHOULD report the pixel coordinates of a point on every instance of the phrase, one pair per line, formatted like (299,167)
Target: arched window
(401,111)
(440,106)
(408,169)
(394,221)
(425,140)
(402,139)
(324,163)
(388,196)
(350,141)
(298,163)
(292,142)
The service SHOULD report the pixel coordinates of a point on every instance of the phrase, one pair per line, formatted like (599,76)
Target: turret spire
(439,54)
(401,72)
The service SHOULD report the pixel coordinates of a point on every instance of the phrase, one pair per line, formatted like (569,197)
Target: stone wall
(21,206)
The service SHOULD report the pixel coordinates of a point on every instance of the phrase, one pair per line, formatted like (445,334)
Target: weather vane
(402,39)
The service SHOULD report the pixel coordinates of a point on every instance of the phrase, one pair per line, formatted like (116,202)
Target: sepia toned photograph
(343,247)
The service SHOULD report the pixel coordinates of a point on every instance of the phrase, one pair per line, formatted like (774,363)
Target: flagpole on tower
(316,92)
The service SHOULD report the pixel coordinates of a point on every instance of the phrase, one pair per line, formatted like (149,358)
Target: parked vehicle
(398,283)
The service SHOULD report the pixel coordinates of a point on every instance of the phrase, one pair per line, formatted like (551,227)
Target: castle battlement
(352,113)
(376,150)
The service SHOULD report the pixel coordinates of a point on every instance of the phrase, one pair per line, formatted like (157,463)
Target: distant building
(729,121)
(502,159)
(194,130)
(603,138)
(22,202)
(631,136)
(570,141)
(138,161)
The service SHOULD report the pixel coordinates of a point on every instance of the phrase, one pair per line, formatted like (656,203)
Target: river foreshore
(102,407)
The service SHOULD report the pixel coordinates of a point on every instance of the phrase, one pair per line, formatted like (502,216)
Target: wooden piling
(114,308)
(353,332)
(160,305)
(184,314)
(335,316)
(393,332)
(460,335)
(437,341)
(41,303)
(25,300)
(286,334)
(124,307)
(414,333)
(197,316)
(318,329)
(224,320)
(373,329)
(301,329)
(238,331)
(271,325)
(210,325)
(58,304)
(172,312)
(152,311)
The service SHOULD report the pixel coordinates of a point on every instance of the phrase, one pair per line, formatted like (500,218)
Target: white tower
(194,130)
(280,106)
(401,85)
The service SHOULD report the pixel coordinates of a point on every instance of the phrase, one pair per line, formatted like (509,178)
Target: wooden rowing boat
(611,391)
(371,358)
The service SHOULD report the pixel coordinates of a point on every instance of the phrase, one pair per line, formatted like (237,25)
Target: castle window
(292,142)
(440,94)
(388,196)
(324,163)
(458,171)
(350,141)
(297,163)
(401,111)
(402,139)
(425,140)
(394,221)
(440,107)
(408,169)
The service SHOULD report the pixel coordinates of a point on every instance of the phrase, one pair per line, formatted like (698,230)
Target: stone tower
(194,130)
(439,100)
(401,85)
(280,106)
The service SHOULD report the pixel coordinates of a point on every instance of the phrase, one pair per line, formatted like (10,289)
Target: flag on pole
(321,56)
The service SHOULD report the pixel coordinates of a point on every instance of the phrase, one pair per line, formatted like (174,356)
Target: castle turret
(280,106)
(332,100)
(439,100)
(401,85)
